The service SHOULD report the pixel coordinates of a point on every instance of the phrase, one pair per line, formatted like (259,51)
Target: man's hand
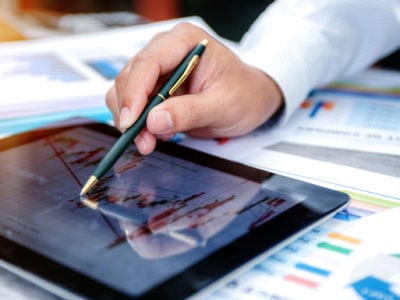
(222,97)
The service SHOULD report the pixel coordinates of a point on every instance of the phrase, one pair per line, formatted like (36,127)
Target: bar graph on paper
(350,116)
(55,87)
(364,114)
(44,66)
(304,268)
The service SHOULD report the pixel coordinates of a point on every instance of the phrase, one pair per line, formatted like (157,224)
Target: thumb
(181,113)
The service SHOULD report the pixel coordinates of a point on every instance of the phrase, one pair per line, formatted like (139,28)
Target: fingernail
(124,118)
(161,122)
(141,143)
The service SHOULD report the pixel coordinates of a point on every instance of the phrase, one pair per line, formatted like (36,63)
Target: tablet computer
(174,224)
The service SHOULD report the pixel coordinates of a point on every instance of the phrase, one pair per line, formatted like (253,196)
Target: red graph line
(58,154)
(109,224)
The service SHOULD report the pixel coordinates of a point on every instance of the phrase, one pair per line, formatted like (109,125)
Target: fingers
(222,96)
(181,113)
(145,142)
(112,104)
(229,106)
(137,81)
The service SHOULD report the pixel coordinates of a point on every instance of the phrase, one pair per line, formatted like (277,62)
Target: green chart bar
(334,248)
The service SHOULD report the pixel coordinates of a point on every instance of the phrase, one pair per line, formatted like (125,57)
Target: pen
(170,86)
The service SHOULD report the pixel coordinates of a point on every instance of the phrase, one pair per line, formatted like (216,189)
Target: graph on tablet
(181,210)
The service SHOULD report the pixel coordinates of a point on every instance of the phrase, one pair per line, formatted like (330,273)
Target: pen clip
(192,63)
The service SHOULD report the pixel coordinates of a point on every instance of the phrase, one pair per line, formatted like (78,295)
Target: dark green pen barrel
(125,140)
(198,50)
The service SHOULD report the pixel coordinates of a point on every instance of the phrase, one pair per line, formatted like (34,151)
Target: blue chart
(44,65)
(315,106)
(108,67)
(375,115)
(346,120)
(41,88)
(306,266)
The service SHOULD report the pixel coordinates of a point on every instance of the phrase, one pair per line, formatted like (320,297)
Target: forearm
(303,44)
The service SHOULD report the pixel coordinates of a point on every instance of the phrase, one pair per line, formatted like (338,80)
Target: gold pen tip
(204,42)
(89,203)
(88,185)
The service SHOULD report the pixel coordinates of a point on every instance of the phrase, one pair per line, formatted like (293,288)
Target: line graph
(163,194)
(180,208)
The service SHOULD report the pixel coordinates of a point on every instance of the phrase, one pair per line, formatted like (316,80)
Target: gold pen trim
(161,96)
(89,184)
(193,62)
(204,42)
(90,203)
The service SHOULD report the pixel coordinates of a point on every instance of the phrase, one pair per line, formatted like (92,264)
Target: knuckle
(144,53)
(121,78)
(109,98)
(187,32)
(185,28)
(149,50)
(125,100)
(157,36)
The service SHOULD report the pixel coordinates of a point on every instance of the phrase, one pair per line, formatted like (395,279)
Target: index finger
(162,55)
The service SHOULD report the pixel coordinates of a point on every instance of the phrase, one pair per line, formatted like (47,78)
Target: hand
(223,96)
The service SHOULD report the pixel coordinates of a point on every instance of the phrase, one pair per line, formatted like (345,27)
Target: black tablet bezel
(201,274)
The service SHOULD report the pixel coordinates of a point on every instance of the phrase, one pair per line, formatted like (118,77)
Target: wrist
(271,95)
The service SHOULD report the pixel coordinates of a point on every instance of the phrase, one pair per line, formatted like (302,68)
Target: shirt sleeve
(302,44)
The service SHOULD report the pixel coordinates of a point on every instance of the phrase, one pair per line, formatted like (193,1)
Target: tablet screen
(160,218)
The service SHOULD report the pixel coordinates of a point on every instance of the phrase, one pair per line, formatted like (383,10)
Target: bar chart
(306,266)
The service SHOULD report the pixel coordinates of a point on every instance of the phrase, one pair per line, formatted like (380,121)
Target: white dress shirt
(303,44)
